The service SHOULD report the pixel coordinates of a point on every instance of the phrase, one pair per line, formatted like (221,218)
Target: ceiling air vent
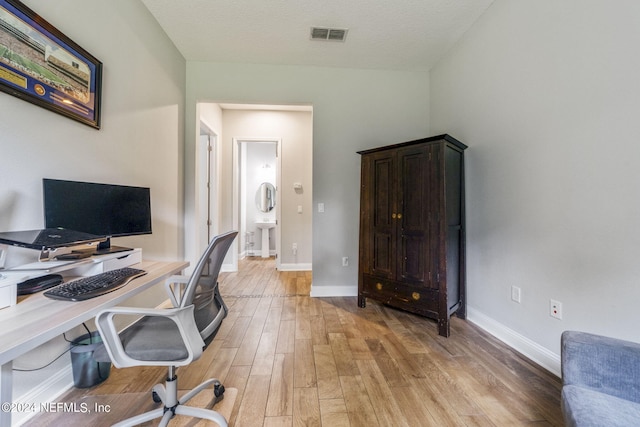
(328,34)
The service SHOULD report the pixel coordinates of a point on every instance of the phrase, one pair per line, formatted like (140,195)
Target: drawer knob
(379,286)
(415,296)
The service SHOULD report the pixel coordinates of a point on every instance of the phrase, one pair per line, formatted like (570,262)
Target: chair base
(172,406)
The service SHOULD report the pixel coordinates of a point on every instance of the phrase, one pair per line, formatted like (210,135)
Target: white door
(208,188)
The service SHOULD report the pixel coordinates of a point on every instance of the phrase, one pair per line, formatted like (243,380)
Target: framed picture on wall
(41,65)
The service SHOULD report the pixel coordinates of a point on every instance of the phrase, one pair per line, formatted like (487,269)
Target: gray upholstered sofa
(601,381)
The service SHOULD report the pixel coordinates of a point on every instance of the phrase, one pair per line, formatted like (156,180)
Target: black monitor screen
(99,209)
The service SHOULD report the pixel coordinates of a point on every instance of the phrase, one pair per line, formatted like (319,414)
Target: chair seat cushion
(151,338)
(154,338)
(585,407)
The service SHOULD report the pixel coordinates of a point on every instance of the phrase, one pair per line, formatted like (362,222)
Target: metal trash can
(87,372)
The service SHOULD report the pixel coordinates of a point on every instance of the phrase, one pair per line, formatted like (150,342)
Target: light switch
(299,208)
(320,207)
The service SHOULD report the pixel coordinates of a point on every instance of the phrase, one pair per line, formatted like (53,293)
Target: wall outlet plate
(555,309)
(516,294)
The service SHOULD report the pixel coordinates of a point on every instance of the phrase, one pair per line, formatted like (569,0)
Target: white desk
(36,319)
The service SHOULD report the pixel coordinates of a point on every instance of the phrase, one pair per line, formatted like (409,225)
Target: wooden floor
(301,361)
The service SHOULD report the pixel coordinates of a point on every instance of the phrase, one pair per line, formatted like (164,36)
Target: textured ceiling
(391,34)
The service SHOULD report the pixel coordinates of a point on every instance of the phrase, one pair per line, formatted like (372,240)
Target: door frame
(237,169)
(208,187)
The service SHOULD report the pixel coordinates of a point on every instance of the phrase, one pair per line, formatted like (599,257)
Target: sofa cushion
(605,364)
(584,407)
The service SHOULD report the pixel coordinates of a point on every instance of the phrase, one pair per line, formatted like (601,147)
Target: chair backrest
(202,288)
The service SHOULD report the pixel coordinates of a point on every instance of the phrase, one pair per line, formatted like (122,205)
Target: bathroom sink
(266,224)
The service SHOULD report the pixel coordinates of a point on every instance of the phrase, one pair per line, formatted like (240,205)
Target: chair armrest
(182,317)
(608,365)
(175,286)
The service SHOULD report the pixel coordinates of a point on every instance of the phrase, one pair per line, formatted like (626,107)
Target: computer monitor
(100,209)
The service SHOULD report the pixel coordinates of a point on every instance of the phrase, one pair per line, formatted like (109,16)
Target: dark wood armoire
(412,228)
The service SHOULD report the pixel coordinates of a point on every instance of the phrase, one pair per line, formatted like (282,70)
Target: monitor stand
(106,248)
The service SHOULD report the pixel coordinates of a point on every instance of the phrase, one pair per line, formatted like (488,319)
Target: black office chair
(175,336)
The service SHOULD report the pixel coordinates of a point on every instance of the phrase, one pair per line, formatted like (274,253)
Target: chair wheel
(155,397)
(218,390)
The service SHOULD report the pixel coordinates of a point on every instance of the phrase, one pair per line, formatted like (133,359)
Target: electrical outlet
(515,294)
(555,309)
(345,261)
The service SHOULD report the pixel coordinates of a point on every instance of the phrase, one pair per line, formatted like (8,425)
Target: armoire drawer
(417,299)
(377,288)
(407,297)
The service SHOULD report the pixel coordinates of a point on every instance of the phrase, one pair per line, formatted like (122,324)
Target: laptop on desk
(47,238)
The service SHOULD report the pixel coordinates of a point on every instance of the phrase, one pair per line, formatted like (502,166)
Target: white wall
(546,95)
(352,110)
(140,142)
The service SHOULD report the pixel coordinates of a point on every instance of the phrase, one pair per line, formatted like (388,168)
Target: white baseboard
(46,392)
(227,268)
(295,267)
(334,291)
(534,351)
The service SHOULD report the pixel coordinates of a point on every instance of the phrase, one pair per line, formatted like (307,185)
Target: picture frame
(41,65)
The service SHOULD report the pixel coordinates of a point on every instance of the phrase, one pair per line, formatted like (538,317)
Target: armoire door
(382,194)
(415,194)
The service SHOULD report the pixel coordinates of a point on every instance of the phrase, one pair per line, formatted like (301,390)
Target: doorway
(256,197)
(290,128)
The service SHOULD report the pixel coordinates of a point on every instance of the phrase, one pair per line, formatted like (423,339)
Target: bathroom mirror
(266,197)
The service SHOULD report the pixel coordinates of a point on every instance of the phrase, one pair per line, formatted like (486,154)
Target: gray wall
(546,94)
(142,127)
(140,142)
(352,110)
